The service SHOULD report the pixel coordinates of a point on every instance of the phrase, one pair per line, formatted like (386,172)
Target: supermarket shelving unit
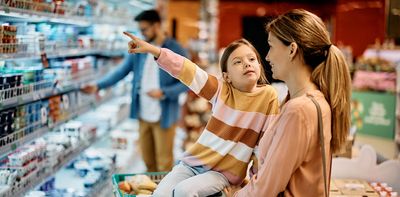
(36,49)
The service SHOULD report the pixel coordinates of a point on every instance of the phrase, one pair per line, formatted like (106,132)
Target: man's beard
(150,40)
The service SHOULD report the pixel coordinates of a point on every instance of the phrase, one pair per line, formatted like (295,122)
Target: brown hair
(329,69)
(232,47)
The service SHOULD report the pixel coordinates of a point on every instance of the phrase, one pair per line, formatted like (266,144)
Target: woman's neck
(300,83)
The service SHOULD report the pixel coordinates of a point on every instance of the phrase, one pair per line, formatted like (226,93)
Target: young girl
(242,104)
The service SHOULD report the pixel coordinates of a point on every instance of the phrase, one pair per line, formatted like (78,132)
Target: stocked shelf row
(21,137)
(23,94)
(45,167)
(40,179)
(48,50)
(61,12)
(22,53)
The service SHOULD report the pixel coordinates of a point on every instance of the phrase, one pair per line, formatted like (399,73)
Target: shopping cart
(154,176)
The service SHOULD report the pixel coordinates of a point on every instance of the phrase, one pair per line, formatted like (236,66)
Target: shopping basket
(116,178)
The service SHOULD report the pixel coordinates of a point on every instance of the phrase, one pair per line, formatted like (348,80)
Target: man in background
(154,95)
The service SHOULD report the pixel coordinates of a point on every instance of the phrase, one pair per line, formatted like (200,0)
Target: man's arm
(118,73)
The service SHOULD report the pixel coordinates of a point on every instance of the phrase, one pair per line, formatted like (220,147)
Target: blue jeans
(185,181)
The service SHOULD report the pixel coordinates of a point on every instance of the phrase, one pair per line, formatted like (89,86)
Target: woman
(301,55)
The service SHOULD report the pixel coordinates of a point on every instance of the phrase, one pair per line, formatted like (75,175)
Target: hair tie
(327,47)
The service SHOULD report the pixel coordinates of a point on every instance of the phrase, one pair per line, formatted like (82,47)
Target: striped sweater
(238,118)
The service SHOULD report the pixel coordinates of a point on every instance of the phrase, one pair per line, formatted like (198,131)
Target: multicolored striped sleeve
(198,80)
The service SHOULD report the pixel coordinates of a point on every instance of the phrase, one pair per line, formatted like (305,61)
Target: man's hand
(156,94)
(89,89)
(137,45)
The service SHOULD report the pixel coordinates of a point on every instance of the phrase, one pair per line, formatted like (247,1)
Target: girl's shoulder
(269,91)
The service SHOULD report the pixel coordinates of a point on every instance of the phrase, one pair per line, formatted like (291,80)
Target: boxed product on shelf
(119,140)
(8,40)
(79,130)
(22,166)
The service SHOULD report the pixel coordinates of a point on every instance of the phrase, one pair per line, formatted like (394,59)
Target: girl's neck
(248,89)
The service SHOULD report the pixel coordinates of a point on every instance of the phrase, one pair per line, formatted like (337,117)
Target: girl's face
(243,68)
(278,57)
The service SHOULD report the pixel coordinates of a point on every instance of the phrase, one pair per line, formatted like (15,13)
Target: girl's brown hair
(329,69)
(232,47)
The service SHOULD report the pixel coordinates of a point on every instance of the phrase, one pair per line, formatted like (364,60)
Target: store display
(373,99)
(353,187)
(374,74)
(48,50)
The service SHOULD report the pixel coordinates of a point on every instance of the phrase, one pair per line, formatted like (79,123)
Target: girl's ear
(226,77)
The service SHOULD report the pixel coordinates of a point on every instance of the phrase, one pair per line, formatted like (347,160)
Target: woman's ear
(293,47)
(226,77)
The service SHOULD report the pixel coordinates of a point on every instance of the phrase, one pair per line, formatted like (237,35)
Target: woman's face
(278,57)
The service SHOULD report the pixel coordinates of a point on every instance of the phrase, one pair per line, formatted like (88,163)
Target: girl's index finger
(130,35)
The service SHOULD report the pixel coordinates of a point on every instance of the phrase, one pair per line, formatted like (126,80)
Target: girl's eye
(236,62)
(252,59)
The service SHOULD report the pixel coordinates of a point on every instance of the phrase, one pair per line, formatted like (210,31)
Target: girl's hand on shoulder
(137,45)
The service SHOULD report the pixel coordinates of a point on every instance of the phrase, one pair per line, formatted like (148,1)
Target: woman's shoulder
(304,105)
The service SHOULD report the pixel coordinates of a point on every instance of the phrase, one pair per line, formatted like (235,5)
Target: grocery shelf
(34,182)
(32,95)
(62,53)
(32,44)
(26,15)
(28,93)
(103,188)
(43,130)
(39,180)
